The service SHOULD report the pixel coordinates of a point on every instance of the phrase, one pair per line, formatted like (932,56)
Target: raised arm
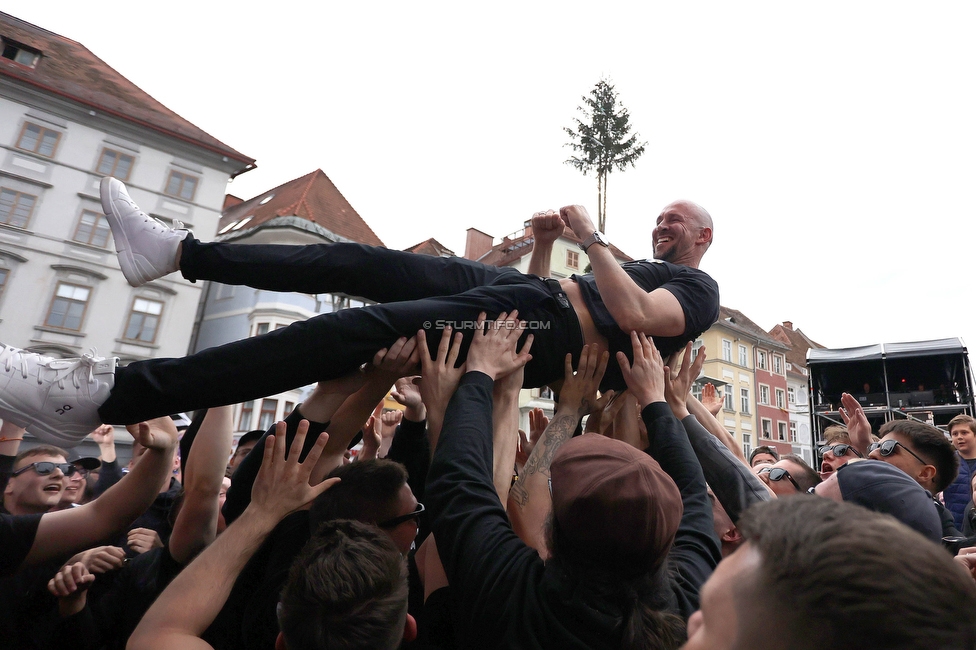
(196,524)
(657,313)
(529,500)
(190,603)
(505,436)
(547,227)
(858,427)
(78,528)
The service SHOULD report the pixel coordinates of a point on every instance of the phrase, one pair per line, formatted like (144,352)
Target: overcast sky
(833,145)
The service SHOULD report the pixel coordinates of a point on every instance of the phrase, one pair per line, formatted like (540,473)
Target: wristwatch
(595,238)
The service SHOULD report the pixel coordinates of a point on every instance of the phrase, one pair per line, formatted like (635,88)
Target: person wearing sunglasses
(39,478)
(789,476)
(837,450)
(924,453)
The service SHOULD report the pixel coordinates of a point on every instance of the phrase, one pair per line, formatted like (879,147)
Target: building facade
(66,120)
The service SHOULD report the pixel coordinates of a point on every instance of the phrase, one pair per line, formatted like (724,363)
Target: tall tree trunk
(599,201)
(603,211)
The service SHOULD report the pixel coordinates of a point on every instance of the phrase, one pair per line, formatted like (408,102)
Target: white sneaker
(146,247)
(55,399)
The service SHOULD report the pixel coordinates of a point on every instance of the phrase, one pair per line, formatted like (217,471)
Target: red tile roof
(431,247)
(311,197)
(67,69)
(735,320)
(798,341)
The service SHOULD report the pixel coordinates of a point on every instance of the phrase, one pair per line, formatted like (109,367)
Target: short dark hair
(249,437)
(932,445)
(347,590)
(763,449)
(826,590)
(368,492)
(808,476)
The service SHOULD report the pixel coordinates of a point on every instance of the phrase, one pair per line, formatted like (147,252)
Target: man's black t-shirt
(695,290)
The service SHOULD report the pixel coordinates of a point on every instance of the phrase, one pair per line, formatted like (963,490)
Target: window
(743,356)
(289,407)
(143,320)
(695,347)
(696,390)
(20,53)
(262,328)
(92,229)
(572,259)
(247,410)
(268,409)
(68,306)
(726,350)
(791,395)
(763,394)
(780,398)
(767,429)
(781,430)
(16,207)
(744,399)
(180,185)
(792,431)
(115,163)
(777,364)
(761,359)
(746,444)
(39,140)
(729,406)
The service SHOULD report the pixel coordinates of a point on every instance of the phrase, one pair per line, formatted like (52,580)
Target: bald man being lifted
(62,400)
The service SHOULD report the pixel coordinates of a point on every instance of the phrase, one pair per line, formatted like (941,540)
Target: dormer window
(20,53)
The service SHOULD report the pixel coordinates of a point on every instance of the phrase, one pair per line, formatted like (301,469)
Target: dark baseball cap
(882,487)
(85,462)
(614,502)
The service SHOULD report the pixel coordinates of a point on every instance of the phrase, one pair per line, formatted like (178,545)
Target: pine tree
(602,141)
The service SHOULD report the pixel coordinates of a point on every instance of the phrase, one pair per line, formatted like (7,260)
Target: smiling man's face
(32,493)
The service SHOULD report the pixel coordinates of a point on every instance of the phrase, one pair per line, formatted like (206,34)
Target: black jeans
(414,291)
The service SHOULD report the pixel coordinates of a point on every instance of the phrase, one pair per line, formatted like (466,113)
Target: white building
(66,120)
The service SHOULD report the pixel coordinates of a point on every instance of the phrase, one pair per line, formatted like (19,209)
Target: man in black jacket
(632,535)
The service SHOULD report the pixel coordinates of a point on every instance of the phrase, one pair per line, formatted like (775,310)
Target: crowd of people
(630,518)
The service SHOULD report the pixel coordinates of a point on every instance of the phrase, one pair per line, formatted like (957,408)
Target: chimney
(788,325)
(230,201)
(476,244)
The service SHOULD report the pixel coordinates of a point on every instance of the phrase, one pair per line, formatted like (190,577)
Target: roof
(519,244)
(431,247)
(68,69)
(934,347)
(312,197)
(736,321)
(798,341)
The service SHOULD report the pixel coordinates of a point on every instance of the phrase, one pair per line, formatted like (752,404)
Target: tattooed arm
(529,501)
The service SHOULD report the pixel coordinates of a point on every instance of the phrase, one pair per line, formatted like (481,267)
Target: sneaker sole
(136,269)
(60,434)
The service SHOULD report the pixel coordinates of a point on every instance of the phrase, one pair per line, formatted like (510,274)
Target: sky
(833,142)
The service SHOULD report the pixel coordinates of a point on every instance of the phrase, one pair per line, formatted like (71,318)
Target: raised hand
(100,559)
(604,411)
(677,383)
(578,219)
(159,434)
(399,361)
(857,423)
(645,378)
(70,584)
(547,226)
(712,400)
(493,348)
(371,440)
(439,377)
(406,391)
(282,484)
(580,388)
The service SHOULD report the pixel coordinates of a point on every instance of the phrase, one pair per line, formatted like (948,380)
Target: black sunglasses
(396,521)
(839,450)
(887,447)
(46,467)
(778,474)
